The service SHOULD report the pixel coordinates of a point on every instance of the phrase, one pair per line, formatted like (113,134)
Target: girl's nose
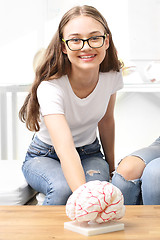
(86,45)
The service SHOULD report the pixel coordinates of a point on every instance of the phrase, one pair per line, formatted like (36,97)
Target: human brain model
(96,201)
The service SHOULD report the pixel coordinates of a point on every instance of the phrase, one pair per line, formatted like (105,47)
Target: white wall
(144,29)
(28,25)
(137,121)
(22,34)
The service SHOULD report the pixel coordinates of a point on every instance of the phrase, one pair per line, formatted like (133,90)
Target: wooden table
(46,223)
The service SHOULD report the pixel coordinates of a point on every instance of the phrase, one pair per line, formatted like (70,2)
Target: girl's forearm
(64,146)
(72,169)
(107,136)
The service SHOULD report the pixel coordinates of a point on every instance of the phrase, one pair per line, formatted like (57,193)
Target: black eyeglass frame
(84,40)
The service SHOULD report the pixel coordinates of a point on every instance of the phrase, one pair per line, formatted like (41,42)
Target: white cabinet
(137,117)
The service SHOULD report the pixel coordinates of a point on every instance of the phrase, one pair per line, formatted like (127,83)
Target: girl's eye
(75,40)
(95,38)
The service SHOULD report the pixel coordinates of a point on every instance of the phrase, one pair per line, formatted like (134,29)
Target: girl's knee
(57,192)
(57,196)
(131,167)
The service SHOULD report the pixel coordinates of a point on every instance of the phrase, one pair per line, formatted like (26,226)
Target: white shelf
(141,87)
(137,87)
(4,88)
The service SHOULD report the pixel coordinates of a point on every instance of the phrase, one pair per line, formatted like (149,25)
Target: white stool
(14,190)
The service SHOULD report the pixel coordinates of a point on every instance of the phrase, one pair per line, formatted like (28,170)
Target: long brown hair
(56,64)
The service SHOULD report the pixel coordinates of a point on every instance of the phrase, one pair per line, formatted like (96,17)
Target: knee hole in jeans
(131,167)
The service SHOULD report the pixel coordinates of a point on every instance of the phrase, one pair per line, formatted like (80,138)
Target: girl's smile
(87,57)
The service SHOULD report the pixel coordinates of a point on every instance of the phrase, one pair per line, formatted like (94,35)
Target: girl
(73,93)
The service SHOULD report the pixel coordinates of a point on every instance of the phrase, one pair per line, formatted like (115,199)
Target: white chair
(14,190)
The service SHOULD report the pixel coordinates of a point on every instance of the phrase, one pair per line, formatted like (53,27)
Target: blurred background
(26,26)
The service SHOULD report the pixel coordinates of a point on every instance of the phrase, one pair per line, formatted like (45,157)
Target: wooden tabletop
(47,223)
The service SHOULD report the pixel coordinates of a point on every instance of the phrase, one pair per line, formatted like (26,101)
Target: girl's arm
(64,146)
(107,133)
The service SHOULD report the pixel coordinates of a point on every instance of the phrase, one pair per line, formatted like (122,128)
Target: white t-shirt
(57,97)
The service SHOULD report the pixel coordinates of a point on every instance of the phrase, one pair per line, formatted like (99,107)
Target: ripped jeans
(43,172)
(145,190)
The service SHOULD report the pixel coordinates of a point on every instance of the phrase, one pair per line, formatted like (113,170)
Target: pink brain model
(96,201)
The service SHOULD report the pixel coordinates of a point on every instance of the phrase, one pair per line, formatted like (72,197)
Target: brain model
(95,201)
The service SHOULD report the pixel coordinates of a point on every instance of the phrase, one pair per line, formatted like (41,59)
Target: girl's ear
(64,48)
(107,41)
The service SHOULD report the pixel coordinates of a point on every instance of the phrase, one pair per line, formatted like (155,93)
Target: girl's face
(84,27)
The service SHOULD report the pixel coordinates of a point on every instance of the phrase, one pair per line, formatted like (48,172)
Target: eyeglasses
(76,44)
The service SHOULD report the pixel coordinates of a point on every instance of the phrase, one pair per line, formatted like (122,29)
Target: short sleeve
(118,82)
(50,98)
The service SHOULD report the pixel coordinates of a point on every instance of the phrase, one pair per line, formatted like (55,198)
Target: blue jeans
(43,172)
(145,190)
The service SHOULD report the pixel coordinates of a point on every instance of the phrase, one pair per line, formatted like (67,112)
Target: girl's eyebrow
(73,34)
(78,34)
(97,32)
